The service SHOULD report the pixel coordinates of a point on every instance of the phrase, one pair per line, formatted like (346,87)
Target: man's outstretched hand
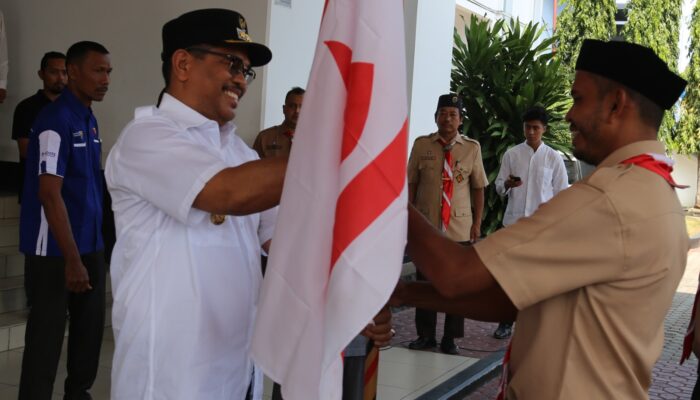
(380,330)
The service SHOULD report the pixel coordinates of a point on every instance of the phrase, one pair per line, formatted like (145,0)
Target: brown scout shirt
(272,142)
(593,273)
(425,171)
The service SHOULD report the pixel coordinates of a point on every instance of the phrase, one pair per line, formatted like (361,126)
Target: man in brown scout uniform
(277,140)
(591,274)
(445,177)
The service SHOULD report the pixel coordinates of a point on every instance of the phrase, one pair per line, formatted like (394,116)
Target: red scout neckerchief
(447,184)
(656,163)
(662,166)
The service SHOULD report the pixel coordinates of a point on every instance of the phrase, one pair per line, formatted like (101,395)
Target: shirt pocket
(461,212)
(428,174)
(547,175)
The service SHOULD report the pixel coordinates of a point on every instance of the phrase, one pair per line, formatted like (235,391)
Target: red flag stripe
(357,108)
(342,55)
(359,79)
(369,193)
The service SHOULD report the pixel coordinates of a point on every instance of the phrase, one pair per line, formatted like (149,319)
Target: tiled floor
(403,374)
(11,363)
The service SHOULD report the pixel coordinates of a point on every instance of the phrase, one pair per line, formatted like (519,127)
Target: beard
(56,89)
(590,137)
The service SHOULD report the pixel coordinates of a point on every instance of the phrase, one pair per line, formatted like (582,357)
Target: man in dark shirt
(53,73)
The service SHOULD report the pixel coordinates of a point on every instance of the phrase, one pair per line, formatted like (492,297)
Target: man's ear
(181,62)
(615,103)
(72,71)
(622,99)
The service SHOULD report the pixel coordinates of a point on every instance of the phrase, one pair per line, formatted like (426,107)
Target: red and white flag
(338,246)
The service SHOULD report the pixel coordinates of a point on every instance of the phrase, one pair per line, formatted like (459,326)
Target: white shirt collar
(189,118)
(181,112)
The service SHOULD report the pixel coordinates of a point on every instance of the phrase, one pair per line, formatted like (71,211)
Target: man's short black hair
(536,113)
(51,55)
(295,91)
(77,52)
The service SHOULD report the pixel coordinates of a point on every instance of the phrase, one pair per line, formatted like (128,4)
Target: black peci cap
(213,26)
(634,66)
(449,100)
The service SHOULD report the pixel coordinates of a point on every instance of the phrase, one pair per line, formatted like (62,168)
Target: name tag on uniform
(428,157)
(273,147)
(78,135)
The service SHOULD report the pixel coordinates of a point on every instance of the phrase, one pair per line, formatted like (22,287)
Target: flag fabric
(338,245)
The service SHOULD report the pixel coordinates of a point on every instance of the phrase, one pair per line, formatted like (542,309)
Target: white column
(429,29)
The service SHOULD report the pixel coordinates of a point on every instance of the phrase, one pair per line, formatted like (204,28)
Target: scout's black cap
(214,26)
(634,66)
(449,100)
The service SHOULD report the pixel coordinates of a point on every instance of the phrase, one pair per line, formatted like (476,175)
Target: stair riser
(12,337)
(12,299)
(9,234)
(14,265)
(9,208)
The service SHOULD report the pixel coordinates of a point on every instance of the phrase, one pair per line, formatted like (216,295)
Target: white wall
(431,63)
(131,31)
(292,34)
(523,10)
(490,9)
(685,172)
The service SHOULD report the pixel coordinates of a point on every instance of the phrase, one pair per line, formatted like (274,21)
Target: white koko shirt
(543,175)
(185,289)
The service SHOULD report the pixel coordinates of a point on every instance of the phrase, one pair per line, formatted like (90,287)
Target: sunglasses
(235,64)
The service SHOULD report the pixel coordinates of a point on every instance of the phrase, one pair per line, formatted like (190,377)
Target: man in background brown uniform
(445,175)
(591,274)
(277,140)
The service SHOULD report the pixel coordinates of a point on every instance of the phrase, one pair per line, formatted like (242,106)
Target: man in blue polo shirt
(60,231)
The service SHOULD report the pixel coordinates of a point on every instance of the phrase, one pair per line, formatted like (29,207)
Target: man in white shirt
(531,173)
(193,207)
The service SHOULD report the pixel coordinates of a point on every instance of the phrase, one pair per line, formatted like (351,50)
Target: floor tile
(385,392)
(402,355)
(10,365)
(17,336)
(406,376)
